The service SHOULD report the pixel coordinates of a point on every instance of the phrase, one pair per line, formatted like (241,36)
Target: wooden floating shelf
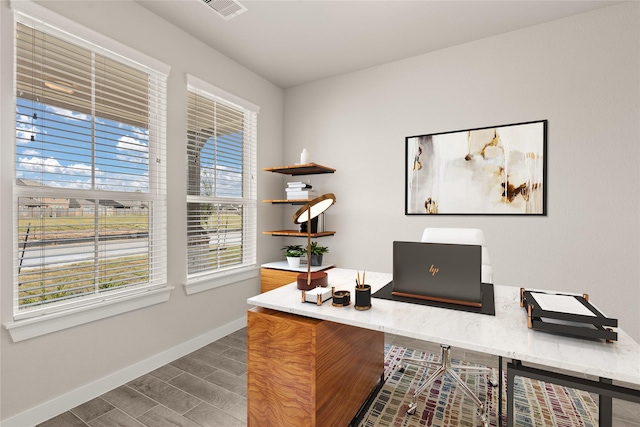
(305,169)
(295,233)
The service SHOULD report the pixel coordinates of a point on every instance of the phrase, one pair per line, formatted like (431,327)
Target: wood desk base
(308,372)
(271,278)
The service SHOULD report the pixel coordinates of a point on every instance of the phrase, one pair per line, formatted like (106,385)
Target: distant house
(55,203)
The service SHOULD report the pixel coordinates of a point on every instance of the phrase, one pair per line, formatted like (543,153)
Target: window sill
(205,284)
(21,330)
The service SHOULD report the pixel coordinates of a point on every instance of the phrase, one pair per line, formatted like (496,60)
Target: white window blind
(221,182)
(90,187)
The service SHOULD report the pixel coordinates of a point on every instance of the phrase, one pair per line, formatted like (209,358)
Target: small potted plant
(293,254)
(315,257)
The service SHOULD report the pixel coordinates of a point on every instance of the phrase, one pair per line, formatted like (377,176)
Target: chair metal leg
(482,410)
(419,362)
(414,401)
(477,370)
(445,368)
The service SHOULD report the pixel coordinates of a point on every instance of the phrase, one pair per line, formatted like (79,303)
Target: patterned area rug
(537,404)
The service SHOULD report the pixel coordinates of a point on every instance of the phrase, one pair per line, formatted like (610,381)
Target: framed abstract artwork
(497,170)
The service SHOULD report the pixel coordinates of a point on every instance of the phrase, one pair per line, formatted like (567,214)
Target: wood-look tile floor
(208,388)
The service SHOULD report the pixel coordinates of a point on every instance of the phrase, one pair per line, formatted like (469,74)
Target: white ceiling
(294,42)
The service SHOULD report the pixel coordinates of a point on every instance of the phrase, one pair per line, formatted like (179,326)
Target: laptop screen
(439,272)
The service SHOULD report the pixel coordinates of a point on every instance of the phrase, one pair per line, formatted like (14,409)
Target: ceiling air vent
(227,9)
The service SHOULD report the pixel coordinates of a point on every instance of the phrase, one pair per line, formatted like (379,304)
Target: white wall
(43,369)
(582,74)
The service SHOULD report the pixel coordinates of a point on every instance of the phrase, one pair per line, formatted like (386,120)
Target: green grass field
(74,279)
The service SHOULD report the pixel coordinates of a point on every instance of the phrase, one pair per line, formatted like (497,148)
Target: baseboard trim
(65,402)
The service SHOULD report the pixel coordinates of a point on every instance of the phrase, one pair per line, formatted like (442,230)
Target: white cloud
(109,183)
(138,131)
(38,164)
(127,143)
(68,114)
(52,166)
(78,184)
(63,176)
(78,169)
(25,129)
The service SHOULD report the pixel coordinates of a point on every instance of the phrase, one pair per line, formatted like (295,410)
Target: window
(221,183)
(90,191)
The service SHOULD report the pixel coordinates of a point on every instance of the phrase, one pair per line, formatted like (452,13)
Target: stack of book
(299,190)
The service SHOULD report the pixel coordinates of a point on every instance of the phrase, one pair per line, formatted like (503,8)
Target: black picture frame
(466,172)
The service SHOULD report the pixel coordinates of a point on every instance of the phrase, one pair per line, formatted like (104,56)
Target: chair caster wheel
(401,370)
(412,409)
(483,417)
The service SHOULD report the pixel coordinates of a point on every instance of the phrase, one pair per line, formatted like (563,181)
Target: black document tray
(597,326)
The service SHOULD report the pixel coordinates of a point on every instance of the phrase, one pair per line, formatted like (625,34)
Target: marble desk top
(505,334)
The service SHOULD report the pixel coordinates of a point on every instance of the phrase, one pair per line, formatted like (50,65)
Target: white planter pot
(294,262)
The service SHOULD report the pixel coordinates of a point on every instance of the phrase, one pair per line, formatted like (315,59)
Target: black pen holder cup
(363,297)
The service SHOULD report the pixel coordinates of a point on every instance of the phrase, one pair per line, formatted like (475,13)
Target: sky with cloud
(55,148)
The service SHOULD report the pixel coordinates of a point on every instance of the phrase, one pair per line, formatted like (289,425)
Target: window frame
(203,281)
(33,323)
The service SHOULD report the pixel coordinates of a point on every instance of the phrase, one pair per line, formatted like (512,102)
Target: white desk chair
(464,236)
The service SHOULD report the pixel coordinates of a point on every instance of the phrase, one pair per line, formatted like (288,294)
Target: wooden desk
(504,335)
(278,273)
(308,372)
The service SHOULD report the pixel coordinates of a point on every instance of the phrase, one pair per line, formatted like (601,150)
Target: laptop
(448,273)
